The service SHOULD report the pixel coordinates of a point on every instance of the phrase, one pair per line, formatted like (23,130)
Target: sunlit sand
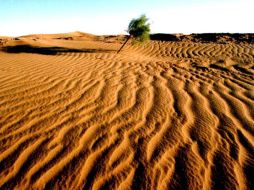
(172,114)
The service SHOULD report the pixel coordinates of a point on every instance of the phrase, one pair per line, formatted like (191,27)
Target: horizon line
(120,34)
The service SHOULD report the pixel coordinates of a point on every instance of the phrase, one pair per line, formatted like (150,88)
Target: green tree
(139,30)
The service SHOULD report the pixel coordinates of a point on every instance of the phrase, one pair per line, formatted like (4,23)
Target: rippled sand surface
(161,115)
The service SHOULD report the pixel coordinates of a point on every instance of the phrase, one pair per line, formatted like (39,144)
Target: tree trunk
(124,44)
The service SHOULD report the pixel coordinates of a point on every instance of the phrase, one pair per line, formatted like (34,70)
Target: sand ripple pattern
(137,120)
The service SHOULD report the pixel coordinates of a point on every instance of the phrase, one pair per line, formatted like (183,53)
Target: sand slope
(163,115)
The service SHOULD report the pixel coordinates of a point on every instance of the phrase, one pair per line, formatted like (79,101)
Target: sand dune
(162,115)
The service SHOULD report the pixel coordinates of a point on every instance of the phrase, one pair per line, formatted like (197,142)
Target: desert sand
(174,113)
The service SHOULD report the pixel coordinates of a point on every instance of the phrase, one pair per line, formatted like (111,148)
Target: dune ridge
(162,115)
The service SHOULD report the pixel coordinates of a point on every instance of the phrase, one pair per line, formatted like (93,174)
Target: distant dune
(174,113)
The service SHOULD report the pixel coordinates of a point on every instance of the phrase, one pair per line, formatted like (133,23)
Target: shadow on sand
(206,37)
(49,50)
(164,37)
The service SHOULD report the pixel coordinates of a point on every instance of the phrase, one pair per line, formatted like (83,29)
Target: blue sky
(19,17)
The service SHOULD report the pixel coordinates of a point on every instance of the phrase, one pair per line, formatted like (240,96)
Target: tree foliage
(139,29)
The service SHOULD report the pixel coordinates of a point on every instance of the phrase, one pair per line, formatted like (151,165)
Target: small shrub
(139,31)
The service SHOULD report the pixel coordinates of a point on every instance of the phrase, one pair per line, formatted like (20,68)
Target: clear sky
(19,17)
